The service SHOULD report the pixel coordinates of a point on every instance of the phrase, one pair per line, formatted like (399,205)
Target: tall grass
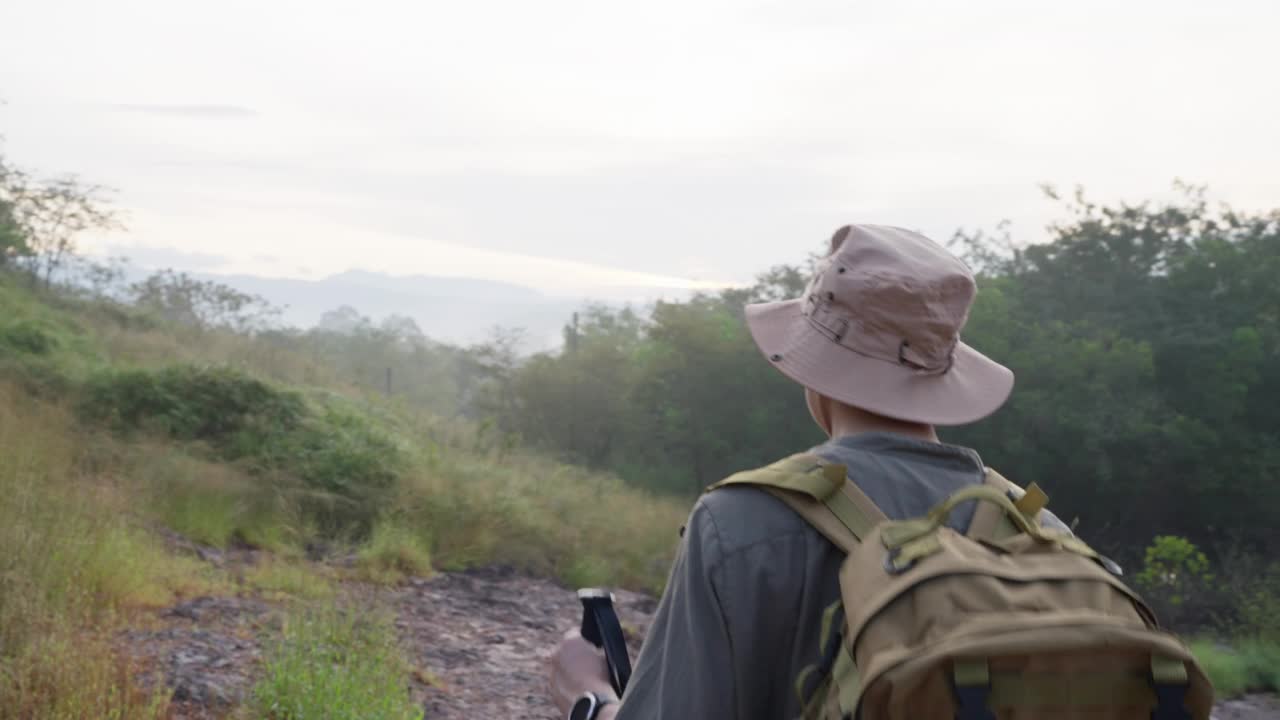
(76,675)
(345,464)
(69,561)
(280,579)
(214,503)
(516,508)
(338,665)
(392,552)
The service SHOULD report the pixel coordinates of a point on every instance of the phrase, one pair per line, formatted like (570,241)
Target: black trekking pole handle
(601,628)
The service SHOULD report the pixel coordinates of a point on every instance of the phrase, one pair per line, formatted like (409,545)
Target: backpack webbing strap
(820,493)
(990,522)
(848,682)
(835,667)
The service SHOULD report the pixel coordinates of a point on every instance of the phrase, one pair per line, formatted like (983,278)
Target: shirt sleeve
(685,667)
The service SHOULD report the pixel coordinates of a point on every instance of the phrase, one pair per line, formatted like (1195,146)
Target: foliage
(1259,607)
(345,464)
(1252,666)
(215,404)
(1173,575)
(1226,668)
(340,665)
(26,337)
(13,245)
(673,403)
(392,552)
(1144,338)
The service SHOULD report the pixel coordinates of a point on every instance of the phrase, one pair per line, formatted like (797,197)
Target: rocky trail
(477,639)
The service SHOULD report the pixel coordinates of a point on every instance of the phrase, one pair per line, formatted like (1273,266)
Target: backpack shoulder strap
(818,491)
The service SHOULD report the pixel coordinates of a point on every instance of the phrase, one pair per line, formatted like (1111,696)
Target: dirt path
(478,636)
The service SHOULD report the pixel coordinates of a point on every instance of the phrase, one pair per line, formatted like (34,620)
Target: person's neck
(847,420)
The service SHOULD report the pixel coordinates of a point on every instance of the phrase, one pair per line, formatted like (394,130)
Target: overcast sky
(587,147)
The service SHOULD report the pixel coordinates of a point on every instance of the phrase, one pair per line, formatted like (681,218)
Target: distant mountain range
(453,310)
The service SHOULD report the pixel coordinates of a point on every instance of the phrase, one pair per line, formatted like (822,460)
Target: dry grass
(67,675)
(69,562)
(73,500)
(517,508)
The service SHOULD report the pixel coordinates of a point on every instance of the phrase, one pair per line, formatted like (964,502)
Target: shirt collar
(887,442)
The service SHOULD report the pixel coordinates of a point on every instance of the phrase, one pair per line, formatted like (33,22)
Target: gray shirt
(741,613)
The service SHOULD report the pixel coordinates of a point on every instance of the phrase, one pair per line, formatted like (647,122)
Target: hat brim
(974,387)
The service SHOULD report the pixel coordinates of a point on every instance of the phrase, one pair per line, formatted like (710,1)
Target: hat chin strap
(819,409)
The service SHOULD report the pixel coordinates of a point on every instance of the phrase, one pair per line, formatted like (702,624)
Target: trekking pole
(601,628)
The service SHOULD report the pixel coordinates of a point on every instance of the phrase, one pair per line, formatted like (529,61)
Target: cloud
(193,111)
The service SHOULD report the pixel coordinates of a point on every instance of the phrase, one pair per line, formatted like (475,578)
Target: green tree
(1145,342)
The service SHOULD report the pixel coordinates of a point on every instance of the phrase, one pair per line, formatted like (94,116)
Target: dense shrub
(27,337)
(192,403)
(346,465)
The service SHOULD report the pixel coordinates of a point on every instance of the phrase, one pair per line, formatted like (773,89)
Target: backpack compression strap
(990,523)
(820,493)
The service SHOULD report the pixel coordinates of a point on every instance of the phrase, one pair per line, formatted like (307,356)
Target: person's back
(755,579)
(875,343)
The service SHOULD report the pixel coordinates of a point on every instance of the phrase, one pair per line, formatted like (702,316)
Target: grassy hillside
(118,429)
(115,427)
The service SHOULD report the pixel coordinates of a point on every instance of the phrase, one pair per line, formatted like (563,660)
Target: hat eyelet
(775,357)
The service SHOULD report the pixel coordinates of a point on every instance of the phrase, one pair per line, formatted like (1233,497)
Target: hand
(575,667)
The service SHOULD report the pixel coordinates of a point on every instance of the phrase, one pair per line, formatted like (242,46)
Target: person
(875,343)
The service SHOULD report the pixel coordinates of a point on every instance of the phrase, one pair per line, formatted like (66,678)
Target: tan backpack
(1011,620)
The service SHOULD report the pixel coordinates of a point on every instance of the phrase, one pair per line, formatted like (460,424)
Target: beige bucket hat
(879,328)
